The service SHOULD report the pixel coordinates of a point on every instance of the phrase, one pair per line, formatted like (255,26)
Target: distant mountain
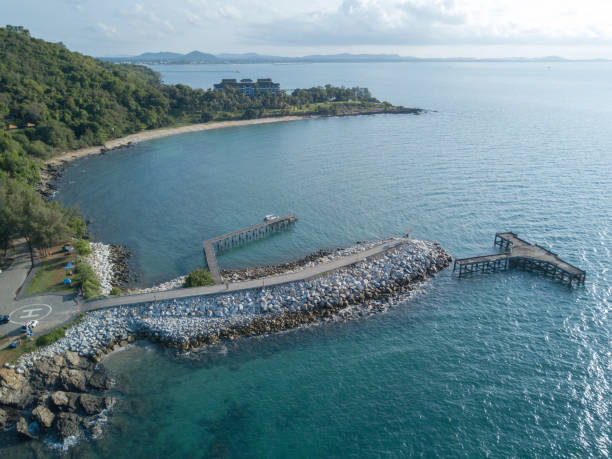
(251,58)
(194,57)
(197,57)
(200,58)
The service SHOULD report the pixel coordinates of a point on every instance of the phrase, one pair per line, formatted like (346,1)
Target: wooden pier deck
(520,253)
(242,236)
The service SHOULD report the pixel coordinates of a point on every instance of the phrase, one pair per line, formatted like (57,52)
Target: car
(30,324)
(4,319)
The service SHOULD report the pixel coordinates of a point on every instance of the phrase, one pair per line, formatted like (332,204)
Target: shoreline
(73,389)
(51,169)
(73,155)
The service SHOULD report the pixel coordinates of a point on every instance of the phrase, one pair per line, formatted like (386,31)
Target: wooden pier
(236,238)
(518,253)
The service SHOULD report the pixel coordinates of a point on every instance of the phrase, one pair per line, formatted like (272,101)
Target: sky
(575,29)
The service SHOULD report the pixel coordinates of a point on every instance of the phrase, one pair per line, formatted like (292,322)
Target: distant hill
(196,57)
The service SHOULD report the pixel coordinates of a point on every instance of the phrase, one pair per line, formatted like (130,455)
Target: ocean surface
(503,365)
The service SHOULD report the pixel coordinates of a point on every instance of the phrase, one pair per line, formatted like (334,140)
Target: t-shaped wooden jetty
(520,253)
(227,241)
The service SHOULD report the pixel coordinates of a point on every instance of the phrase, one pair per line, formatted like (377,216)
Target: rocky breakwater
(363,288)
(110,263)
(61,389)
(56,398)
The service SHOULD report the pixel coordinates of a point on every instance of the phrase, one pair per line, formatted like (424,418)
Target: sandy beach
(72,155)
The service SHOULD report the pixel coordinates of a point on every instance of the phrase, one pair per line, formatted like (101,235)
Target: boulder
(91,404)
(96,430)
(65,401)
(3,418)
(109,402)
(100,380)
(68,425)
(43,416)
(23,429)
(46,371)
(72,359)
(73,380)
(15,390)
(10,379)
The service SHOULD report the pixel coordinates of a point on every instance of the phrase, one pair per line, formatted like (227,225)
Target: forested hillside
(54,99)
(59,99)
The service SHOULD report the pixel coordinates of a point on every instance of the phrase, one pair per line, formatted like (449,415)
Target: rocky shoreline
(367,287)
(110,263)
(60,397)
(52,171)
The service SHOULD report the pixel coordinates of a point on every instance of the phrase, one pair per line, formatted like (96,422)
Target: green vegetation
(88,282)
(49,277)
(23,213)
(198,278)
(77,225)
(115,291)
(82,247)
(54,99)
(51,274)
(57,333)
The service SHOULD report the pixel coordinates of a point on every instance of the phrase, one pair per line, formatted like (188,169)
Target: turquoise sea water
(502,365)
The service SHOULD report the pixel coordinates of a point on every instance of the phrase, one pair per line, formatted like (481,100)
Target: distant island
(197,57)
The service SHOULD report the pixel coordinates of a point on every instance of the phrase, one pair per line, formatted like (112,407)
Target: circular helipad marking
(29,312)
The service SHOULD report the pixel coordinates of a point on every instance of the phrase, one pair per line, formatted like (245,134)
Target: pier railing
(239,237)
(519,253)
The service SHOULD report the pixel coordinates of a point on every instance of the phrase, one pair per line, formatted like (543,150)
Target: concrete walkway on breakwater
(303,274)
(58,309)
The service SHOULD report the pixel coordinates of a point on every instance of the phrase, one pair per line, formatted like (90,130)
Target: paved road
(13,277)
(54,309)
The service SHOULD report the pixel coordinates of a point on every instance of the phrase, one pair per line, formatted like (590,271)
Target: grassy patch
(50,275)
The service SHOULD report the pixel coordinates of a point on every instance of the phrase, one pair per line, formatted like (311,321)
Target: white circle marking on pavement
(30,312)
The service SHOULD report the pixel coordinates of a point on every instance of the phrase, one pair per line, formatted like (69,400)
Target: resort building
(248,86)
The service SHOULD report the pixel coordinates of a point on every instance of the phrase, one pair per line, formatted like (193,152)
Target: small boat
(268,218)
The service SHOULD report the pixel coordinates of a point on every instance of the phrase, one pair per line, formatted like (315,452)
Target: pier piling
(518,253)
(236,238)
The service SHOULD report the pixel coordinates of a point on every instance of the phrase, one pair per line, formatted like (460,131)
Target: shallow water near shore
(508,364)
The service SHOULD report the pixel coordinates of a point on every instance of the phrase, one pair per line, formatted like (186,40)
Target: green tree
(198,278)
(82,247)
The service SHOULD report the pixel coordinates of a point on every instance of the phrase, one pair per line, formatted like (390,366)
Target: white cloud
(297,27)
(107,30)
(146,17)
(422,22)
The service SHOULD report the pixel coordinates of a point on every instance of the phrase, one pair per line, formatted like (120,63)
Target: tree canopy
(53,99)
(23,213)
